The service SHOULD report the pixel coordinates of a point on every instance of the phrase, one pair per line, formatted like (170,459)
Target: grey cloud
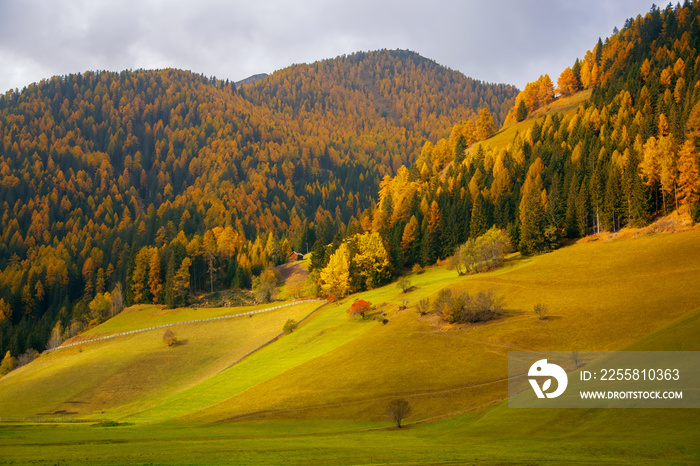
(496,41)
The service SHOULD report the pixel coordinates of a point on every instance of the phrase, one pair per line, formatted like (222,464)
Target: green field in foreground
(496,435)
(317,396)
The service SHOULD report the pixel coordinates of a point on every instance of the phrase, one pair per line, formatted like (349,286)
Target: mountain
(251,79)
(100,170)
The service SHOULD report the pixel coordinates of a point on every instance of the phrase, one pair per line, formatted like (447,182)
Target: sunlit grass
(317,396)
(126,374)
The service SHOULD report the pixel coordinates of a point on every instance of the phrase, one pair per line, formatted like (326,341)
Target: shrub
(541,310)
(480,254)
(290,326)
(27,357)
(169,338)
(424,306)
(461,307)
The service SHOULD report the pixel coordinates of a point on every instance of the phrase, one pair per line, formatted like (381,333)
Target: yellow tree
(669,168)
(370,265)
(585,75)
(181,282)
(155,283)
(410,233)
(8,364)
(545,91)
(485,126)
(645,69)
(5,311)
(139,275)
(335,277)
(567,83)
(688,175)
(650,166)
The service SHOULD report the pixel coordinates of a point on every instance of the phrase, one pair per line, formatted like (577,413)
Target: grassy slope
(492,435)
(129,373)
(602,296)
(631,294)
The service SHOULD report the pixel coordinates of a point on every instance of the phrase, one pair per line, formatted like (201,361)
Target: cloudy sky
(511,41)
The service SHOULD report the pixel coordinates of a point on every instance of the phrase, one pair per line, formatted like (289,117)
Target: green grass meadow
(318,396)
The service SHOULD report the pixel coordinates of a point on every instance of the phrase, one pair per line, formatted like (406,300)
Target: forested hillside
(624,157)
(147,186)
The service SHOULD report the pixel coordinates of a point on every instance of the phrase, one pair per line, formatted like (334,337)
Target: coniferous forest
(150,186)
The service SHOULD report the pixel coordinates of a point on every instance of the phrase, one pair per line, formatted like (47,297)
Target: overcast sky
(510,41)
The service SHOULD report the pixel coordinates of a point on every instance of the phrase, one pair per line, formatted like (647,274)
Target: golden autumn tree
(181,282)
(335,277)
(688,175)
(155,284)
(650,165)
(545,91)
(370,265)
(409,240)
(139,275)
(485,126)
(567,83)
(8,364)
(5,311)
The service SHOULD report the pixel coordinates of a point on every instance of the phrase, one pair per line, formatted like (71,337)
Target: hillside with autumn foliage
(622,158)
(166,183)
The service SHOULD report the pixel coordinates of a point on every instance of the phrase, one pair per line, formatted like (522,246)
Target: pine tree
(522,111)
(479,223)
(410,241)
(637,197)
(434,234)
(532,222)
(571,222)
(139,276)
(532,210)
(181,282)
(582,208)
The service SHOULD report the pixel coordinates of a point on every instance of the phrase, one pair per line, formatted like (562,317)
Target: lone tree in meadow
(361,307)
(541,310)
(404,284)
(397,410)
(169,338)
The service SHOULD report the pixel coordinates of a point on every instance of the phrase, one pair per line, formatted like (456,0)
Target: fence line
(52,420)
(210,319)
(323,303)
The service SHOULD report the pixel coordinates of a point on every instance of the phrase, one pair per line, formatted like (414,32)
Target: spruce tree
(521,113)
